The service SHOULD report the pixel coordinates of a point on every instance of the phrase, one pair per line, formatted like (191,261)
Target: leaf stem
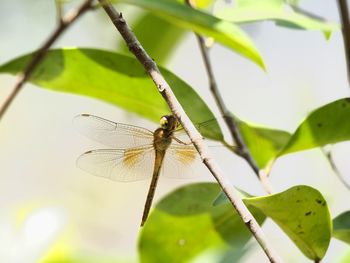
(163,87)
(329,156)
(63,24)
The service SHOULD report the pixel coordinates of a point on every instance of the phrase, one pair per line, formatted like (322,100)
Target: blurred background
(48,207)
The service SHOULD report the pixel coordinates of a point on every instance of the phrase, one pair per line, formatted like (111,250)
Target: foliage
(184,225)
(116,79)
(326,125)
(341,227)
(301,212)
(202,23)
(247,11)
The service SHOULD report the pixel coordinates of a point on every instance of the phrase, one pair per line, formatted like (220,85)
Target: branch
(64,23)
(165,90)
(242,149)
(345,23)
(328,155)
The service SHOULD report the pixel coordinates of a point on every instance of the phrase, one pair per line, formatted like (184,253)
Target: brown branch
(165,90)
(64,23)
(242,149)
(345,24)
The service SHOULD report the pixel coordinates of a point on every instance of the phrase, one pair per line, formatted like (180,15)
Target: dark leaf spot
(319,125)
(301,232)
(308,213)
(298,201)
(318,201)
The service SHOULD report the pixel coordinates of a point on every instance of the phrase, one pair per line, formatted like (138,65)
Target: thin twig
(345,23)
(328,155)
(165,90)
(242,149)
(66,21)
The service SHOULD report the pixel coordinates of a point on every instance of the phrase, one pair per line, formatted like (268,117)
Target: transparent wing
(181,134)
(182,161)
(123,165)
(116,135)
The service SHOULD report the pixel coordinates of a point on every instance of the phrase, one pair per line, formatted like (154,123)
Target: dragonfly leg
(182,142)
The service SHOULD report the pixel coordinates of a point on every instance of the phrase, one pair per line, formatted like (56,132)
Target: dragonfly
(137,153)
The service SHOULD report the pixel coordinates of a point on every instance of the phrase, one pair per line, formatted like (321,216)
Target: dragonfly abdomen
(159,157)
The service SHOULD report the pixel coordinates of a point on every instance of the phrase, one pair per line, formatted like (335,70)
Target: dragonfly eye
(164,122)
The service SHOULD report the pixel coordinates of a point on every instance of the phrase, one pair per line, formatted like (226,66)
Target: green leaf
(160,43)
(184,225)
(302,213)
(246,11)
(327,125)
(341,227)
(116,79)
(263,143)
(202,23)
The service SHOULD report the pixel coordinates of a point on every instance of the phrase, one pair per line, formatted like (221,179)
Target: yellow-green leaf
(202,23)
(263,143)
(116,79)
(246,11)
(341,227)
(326,125)
(302,213)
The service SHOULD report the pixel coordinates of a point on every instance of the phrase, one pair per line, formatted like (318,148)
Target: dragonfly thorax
(162,139)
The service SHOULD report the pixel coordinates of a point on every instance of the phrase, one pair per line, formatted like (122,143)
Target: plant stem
(63,24)
(242,149)
(196,138)
(328,155)
(345,24)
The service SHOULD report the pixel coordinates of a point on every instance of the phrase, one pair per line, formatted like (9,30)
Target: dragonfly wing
(112,134)
(182,161)
(123,165)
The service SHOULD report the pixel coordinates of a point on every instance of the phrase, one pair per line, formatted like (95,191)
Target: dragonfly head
(169,122)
